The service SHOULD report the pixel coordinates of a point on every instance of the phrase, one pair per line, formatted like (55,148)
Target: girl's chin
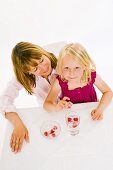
(72,79)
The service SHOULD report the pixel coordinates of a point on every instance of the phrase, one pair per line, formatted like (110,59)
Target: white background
(89,22)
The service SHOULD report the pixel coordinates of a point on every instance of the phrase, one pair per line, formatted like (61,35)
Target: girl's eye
(77,67)
(66,68)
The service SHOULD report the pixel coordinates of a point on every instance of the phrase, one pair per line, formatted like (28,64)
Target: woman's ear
(28,73)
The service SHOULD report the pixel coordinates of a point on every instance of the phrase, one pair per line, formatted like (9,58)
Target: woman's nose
(41,68)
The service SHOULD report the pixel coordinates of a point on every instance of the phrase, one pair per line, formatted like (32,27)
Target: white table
(91,149)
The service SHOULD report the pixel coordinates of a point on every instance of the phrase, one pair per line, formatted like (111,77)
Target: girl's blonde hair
(23,55)
(82,57)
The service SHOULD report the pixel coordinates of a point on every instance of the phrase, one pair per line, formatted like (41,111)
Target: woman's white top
(12,91)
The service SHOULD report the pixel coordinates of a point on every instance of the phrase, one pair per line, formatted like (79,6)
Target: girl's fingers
(96,116)
(27,137)
(70,103)
(100,117)
(66,98)
(67,104)
(63,105)
(93,115)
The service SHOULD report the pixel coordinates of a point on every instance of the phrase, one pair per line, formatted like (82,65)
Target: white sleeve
(8,97)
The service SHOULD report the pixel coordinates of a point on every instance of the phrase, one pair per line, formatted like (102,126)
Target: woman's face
(43,67)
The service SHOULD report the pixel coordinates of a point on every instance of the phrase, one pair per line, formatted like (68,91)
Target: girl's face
(71,69)
(43,67)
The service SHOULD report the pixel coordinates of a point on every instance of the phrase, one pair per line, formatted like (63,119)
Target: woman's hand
(96,114)
(20,133)
(64,104)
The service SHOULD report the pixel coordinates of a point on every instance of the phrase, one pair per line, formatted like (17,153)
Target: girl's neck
(75,84)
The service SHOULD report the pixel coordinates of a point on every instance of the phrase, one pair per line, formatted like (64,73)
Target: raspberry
(69,119)
(46,133)
(75,119)
(74,126)
(52,131)
(55,128)
(53,135)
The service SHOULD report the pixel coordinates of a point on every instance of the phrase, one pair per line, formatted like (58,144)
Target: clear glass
(50,129)
(72,121)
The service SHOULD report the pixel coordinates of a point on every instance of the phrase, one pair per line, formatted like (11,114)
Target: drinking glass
(72,121)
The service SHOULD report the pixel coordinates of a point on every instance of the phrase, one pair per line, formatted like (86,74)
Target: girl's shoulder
(60,79)
(92,76)
(62,82)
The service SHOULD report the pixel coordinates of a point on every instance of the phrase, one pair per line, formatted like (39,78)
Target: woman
(34,69)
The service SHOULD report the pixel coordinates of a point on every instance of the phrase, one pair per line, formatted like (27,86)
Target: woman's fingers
(18,137)
(16,143)
(12,142)
(20,144)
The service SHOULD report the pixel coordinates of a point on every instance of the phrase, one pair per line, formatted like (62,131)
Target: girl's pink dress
(80,94)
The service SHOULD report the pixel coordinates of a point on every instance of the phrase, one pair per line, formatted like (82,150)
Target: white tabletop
(91,149)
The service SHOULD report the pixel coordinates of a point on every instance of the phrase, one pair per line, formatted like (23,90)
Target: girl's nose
(72,72)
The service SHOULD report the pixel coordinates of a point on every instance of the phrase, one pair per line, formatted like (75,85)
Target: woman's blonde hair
(23,55)
(82,57)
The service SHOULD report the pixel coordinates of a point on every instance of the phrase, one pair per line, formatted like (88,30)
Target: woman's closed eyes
(38,65)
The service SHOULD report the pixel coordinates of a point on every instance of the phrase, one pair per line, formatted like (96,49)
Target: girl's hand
(20,133)
(64,104)
(96,115)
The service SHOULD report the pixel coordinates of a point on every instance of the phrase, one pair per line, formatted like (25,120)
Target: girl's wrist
(100,109)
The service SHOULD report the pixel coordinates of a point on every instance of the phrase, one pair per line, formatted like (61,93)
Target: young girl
(75,81)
